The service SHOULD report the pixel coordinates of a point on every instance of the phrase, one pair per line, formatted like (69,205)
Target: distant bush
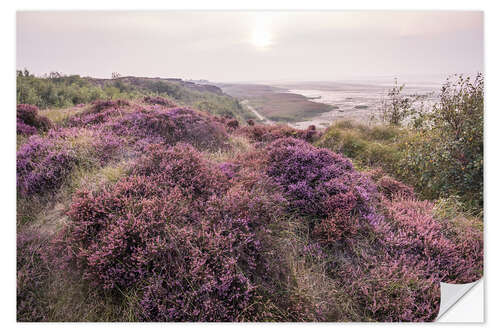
(62,91)
(101,111)
(55,91)
(99,105)
(159,101)
(399,107)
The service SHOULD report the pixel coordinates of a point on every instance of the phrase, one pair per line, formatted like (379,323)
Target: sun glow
(261,36)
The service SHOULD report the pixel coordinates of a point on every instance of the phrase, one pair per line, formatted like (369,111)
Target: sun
(261,35)
(261,38)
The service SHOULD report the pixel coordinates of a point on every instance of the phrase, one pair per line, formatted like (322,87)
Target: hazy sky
(251,46)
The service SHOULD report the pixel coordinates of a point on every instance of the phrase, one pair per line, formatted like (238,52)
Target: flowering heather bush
(29,121)
(277,229)
(100,105)
(172,125)
(321,184)
(100,112)
(44,163)
(391,188)
(89,145)
(391,292)
(412,229)
(88,118)
(157,100)
(32,275)
(267,133)
(42,166)
(175,230)
(24,129)
(413,253)
(232,124)
(229,169)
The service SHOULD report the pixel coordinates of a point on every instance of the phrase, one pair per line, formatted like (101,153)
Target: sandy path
(261,117)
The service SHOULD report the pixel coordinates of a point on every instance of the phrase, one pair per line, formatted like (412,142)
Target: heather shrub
(413,230)
(157,100)
(92,147)
(170,126)
(44,163)
(29,121)
(390,188)
(321,184)
(232,124)
(24,129)
(101,111)
(392,292)
(177,232)
(42,166)
(100,105)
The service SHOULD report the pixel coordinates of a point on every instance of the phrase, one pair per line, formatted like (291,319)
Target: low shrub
(29,121)
(177,232)
(24,129)
(431,243)
(368,146)
(100,112)
(42,166)
(232,124)
(170,126)
(157,100)
(392,292)
(43,163)
(322,185)
(391,188)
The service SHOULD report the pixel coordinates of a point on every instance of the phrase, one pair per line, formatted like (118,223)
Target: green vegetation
(368,146)
(56,91)
(438,152)
(144,209)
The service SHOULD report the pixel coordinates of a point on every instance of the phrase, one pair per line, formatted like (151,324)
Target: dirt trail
(261,117)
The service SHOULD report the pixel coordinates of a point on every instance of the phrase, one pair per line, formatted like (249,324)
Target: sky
(256,46)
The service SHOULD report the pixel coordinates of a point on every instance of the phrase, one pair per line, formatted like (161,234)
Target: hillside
(62,91)
(155,208)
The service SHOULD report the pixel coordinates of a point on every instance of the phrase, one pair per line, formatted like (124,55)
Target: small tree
(398,107)
(115,75)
